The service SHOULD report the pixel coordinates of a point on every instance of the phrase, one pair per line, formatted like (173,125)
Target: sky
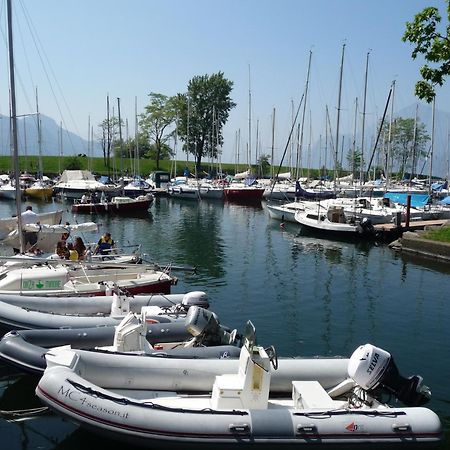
(75,53)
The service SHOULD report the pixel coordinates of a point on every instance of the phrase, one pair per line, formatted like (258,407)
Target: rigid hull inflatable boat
(240,408)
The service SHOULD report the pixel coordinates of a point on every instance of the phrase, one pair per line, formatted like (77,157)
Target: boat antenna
(14,125)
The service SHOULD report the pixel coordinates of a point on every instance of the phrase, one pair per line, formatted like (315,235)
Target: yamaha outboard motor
(374,370)
(204,325)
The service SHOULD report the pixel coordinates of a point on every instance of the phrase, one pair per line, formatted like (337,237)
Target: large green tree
(434,45)
(156,121)
(408,141)
(201,114)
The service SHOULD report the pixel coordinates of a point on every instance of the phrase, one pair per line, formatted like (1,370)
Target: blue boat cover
(445,201)
(439,186)
(417,200)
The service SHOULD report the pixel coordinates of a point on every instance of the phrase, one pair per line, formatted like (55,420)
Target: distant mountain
(72,144)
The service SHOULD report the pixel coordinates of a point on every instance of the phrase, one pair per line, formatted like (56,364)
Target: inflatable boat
(104,304)
(57,314)
(200,336)
(324,402)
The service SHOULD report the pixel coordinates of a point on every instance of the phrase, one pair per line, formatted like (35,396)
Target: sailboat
(40,189)
(244,188)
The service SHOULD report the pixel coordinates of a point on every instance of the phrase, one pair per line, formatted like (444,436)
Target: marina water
(305,295)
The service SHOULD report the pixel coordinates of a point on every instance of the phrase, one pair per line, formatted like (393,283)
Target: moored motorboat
(334,222)
(243,193)
(56,277)
(238,402)
(40,190)
(117,205)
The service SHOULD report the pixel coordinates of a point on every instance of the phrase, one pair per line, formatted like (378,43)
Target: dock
(389,232)
(413,225)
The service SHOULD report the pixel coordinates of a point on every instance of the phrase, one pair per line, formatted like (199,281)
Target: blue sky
(79,51)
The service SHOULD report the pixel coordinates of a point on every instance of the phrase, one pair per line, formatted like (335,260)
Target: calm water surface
(307,296)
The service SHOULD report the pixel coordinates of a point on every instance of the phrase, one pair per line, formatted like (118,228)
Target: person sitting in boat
(104,245)
(66,234)
(61,250)
(79,247)
(86,198)
(73,254)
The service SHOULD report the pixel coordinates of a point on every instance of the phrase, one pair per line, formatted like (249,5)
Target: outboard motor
(366,227)
(374,369)
(205,327)
(195,298)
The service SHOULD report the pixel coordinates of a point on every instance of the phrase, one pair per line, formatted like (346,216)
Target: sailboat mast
(41,170)
(432,145)
(389,154)
(273,145)
(354,142)
(336,150)
(413,162)
(120,137)
(136,139)
(14,124)
(108,137)
(364,120)
(249,149)
(300,147)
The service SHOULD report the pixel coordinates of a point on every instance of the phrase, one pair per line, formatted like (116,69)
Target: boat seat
(310,395)
(247,389)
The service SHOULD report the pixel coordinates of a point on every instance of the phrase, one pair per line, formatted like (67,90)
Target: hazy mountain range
(27,131)
(72,144)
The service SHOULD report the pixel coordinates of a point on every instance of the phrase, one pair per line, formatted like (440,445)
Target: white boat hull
(146,417)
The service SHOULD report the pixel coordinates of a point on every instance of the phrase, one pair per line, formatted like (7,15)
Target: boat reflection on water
(33,426)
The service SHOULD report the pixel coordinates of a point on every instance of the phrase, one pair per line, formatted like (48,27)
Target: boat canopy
(417,200)
(445,201)
(70,175)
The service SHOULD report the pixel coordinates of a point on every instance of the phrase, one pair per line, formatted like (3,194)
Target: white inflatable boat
(332,402)
(42,313)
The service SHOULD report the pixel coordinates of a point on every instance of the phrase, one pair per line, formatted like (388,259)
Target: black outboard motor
(374,369)
(366,227)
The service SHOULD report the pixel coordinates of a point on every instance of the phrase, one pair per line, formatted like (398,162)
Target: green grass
(53,165)
(441,234)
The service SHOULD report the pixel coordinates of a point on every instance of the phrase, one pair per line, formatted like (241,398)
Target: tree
(165,152)
(433,45)
(263,165)
(408,142)
(109,134)
(354,159)
(159,114)
(201,114)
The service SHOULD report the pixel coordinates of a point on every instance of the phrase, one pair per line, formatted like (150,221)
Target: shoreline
(412,242)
